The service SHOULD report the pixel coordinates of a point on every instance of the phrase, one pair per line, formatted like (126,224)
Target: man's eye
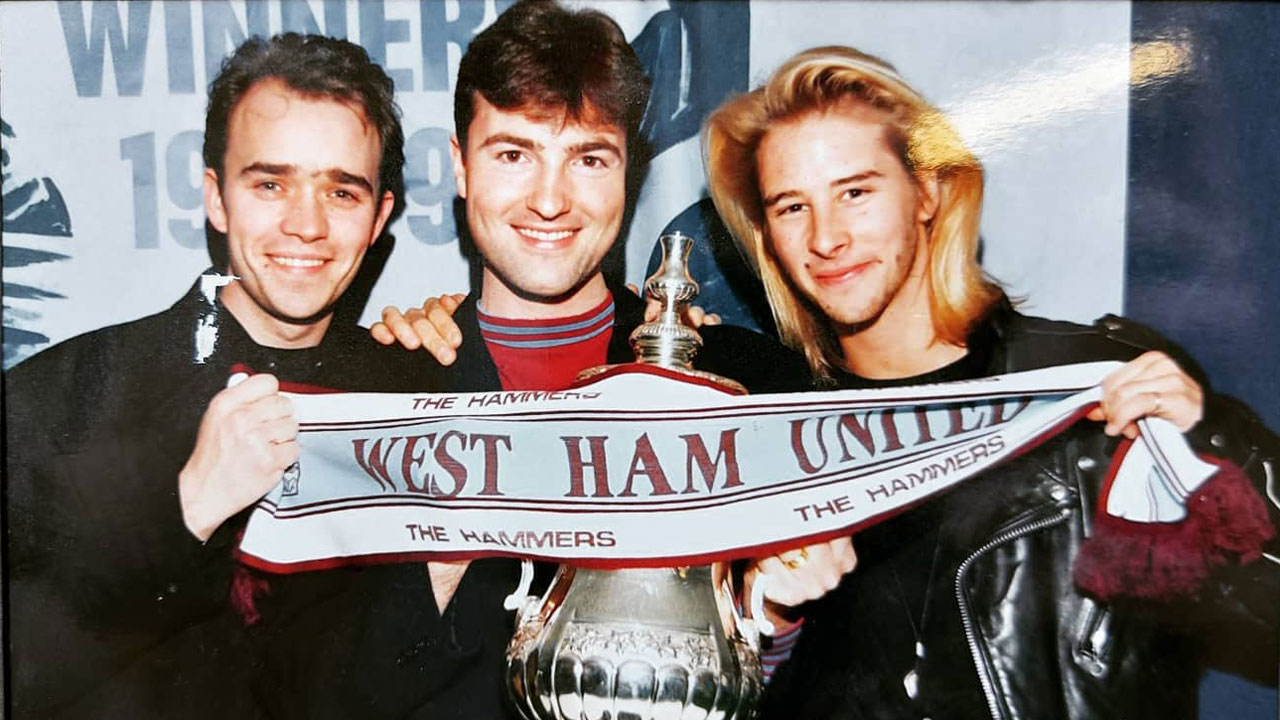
(510,156)
(854,193)
(593,161)
(268,185)
(344,194)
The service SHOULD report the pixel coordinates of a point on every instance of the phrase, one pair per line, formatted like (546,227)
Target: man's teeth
(296,262)
(546,235)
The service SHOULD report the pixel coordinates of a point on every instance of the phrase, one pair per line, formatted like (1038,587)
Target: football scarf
(644,466)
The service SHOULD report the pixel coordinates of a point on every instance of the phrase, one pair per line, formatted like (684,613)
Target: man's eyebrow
(857,177)
(263,168)
(337,175)
(590,146)
(343,177)
(777,197)
(499,138)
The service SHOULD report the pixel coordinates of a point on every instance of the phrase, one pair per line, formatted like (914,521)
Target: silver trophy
(640,644)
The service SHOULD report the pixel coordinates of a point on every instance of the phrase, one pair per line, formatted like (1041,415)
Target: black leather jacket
(1006,629)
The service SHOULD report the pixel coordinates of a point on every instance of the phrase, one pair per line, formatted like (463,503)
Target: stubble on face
(843,216)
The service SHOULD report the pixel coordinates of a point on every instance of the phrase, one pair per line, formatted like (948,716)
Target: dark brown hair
(541,56)
(312,65)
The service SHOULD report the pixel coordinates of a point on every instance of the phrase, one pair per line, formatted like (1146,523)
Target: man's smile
(840,274)
(546,238)
(296,261)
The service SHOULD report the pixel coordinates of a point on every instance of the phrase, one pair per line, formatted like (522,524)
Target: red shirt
(547,354)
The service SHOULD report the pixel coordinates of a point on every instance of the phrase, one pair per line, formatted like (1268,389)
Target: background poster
(1128,150)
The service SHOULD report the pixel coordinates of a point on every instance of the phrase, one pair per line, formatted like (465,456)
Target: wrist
(198,518)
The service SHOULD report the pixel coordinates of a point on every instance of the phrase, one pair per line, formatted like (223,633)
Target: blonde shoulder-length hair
(814,81)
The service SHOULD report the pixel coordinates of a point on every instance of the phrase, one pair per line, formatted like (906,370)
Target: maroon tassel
(246,588)
(1226,522)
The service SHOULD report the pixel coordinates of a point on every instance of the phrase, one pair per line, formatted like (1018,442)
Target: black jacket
(375,646)
(113,608)
(1005,631)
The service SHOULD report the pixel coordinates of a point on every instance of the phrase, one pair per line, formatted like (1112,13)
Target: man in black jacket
(543,157)
(859,204)
(120,537)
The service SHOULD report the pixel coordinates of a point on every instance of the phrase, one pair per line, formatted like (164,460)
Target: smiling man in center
(547,111)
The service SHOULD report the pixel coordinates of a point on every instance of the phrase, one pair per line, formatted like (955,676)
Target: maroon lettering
(956,413)
(374,463)
(696,453)
(645,462)
(861,432)
(891,440)
(578,466)
(410,460)
(922,423)
(490,444)
(797,446)
(456,470)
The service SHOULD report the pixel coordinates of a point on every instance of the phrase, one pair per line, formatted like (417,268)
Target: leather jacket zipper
(966,617)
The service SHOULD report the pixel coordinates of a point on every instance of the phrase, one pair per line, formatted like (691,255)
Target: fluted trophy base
(635,644)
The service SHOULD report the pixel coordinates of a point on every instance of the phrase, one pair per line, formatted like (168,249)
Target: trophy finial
(668,341)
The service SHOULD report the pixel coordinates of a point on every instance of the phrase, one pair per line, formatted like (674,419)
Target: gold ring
(796,561)
(1159,404)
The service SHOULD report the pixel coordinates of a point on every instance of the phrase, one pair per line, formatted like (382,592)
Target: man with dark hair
(120,536)
(548,107)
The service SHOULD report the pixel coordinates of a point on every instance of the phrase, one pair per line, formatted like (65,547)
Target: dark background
(1203,225)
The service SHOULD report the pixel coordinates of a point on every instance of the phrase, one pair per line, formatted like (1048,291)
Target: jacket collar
(213,337)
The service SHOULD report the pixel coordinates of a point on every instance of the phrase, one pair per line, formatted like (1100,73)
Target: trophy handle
(760,621)
(520,599)
(731,607)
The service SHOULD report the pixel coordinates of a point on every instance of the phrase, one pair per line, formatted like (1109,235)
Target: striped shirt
(547,354)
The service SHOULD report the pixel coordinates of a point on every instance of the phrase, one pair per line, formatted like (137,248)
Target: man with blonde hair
(859,204)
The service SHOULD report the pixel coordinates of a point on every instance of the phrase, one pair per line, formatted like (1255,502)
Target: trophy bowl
(633,644)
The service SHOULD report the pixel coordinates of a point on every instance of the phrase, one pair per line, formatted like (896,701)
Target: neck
(267,330)
(908,352)
(500,300)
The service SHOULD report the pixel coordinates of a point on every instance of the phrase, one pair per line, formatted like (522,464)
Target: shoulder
(759,362)
(1029,342)
(130,344)
(357,363)
(102,376)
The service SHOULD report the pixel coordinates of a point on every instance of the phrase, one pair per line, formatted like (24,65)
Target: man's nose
(829,234)
(549,197)
(305,218)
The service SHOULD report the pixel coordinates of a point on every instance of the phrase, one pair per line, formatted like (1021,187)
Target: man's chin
(845,318)
(547,291)
(301,315)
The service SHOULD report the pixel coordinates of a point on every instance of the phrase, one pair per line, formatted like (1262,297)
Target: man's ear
(927,188)
(213,207)
(459,168)
(385,206)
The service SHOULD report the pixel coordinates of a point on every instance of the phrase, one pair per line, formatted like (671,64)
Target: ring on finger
(796,560)
(1159,404)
